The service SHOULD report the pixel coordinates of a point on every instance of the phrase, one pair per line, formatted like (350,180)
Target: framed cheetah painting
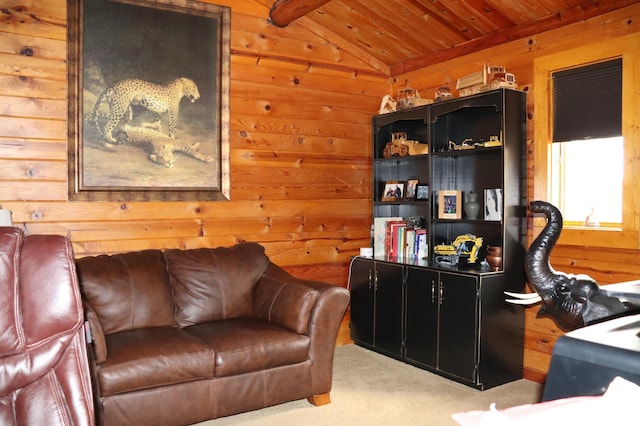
(148,100)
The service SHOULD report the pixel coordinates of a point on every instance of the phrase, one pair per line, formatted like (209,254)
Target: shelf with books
(430,299)
(476,146)
(397,237)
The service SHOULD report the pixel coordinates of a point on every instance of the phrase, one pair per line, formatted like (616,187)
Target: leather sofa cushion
(244,345)
(128,291)
(215,284)
(153,357)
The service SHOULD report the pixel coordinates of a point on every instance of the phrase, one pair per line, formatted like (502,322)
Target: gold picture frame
(450,204)
(123,144)
(393,191)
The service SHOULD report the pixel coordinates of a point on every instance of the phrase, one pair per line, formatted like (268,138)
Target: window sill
(588,236)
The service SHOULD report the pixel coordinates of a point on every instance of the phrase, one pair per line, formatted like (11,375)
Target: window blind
(587,102)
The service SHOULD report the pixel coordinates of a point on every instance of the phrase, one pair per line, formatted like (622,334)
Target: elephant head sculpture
(572,301)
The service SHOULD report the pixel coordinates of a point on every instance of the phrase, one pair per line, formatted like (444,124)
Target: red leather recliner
(44,370)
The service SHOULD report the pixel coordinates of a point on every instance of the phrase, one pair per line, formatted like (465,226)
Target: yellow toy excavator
(465,246)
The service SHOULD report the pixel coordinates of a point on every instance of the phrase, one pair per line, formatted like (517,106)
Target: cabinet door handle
(370,280)
(441,294)
(375,280)
(433,291)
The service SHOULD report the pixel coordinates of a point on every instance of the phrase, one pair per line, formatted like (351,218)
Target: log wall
(299,156)
(300,148)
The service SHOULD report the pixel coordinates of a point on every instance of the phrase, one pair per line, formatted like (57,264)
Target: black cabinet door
(421,338)
(457,345)
(362,297)
(388,280)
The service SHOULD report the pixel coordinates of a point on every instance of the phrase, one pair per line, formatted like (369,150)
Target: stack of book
(396,237)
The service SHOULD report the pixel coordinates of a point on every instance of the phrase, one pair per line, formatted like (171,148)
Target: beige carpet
(371,389)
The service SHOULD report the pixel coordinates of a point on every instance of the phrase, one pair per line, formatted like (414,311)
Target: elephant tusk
(522,295)
(523,298)
(523,301)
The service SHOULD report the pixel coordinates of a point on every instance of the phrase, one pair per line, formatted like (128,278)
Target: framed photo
(450,204)
(412,189)
(148,100)
(393,190)
(422,192)
(493,204)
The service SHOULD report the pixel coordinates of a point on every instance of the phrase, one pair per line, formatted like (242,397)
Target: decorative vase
(472,207)
(494,257)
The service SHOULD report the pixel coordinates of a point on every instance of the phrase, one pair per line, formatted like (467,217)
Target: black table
(586,360)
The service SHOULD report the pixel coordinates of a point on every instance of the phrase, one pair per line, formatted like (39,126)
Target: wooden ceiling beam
(283,12)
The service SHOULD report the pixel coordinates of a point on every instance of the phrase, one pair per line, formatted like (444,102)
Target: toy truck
(464,250)
(491,77)
(401,146)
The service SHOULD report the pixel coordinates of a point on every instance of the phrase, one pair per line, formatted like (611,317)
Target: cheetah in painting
(159,146)
(155,97)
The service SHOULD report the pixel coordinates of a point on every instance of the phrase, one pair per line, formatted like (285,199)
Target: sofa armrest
(283,299)
(310,307)
(289,301)
(98,339)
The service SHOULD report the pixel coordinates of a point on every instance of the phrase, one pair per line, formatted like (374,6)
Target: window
(609,160)
(587,135)
(585,195)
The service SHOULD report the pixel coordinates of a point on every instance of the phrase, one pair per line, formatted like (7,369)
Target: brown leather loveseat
(182,336)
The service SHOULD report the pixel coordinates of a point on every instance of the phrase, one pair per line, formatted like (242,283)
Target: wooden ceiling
(397,36)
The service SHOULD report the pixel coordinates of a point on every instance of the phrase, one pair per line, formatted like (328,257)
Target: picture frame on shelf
(450,204)
(411,189)
(394,190)
(422,192)
(493,204)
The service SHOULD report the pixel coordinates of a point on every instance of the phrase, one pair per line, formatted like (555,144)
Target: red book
(388,238)
(396,229)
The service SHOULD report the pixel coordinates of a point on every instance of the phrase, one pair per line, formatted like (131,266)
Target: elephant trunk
(539,272)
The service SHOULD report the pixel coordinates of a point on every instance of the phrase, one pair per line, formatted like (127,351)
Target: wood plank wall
(605,266)
(300,148)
